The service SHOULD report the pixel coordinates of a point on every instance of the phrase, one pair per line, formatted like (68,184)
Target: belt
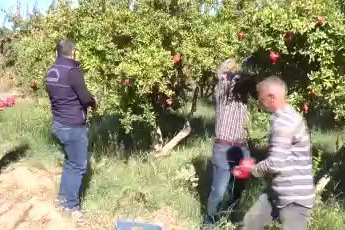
(231,143)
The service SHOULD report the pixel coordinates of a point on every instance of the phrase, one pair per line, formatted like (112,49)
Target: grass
(329,141)
(139,186)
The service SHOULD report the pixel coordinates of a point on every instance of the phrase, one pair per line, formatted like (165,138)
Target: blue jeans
(224,158)
(75,143)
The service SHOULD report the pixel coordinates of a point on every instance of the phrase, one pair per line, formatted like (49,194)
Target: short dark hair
(65,47)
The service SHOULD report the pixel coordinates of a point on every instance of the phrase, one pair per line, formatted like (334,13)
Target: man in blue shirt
(70,100)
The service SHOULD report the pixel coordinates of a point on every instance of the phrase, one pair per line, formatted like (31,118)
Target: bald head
(272,93)
(272,85)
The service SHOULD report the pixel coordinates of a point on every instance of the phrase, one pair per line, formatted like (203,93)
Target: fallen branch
(321,186)
(173,142)
(186,130)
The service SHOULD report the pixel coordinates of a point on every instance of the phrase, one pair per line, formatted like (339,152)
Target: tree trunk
(157,139)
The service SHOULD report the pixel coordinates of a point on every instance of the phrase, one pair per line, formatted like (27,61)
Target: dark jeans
(292,216)
(224,158)
(75,143)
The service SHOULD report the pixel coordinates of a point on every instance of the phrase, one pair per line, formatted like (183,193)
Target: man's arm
(280,147)
(79,86)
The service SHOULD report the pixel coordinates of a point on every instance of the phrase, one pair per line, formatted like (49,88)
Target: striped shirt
(231,112)
(289,161)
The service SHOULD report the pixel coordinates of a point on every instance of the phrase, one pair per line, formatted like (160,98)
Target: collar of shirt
(61,60)
(280,111)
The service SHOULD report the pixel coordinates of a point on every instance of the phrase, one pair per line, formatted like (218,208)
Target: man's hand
(247,163)
(241,172)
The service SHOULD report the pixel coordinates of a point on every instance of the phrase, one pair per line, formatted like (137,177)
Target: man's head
(272,93)
(227,66)
(66,48)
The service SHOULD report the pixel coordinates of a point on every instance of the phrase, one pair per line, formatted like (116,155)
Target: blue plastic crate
(134,225)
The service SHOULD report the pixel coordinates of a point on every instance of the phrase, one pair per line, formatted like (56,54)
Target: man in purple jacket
(70,100)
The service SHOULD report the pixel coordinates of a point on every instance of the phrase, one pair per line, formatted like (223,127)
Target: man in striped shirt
(231,94)
(289,164)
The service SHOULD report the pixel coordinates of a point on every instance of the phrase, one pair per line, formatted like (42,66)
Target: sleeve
(279,147)
(222,88)
(79,87)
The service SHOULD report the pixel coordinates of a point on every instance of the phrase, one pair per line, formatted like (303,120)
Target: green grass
(328,141)
(141,185)
(31,123)
(137,187)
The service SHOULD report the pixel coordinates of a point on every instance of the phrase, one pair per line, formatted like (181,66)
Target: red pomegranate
(274,57)
(177,58)
(240,35)
(10,101)
(3,104)
(126,82)
(320,20)
(305,108)
(240,172)
(169,102)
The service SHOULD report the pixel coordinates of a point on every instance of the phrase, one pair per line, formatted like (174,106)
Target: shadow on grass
(203,168)
(13,155)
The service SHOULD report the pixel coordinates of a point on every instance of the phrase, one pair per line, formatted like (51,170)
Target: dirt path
(27,193)
(26,203)
(26,196)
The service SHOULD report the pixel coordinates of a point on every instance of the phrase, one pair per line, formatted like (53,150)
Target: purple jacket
(67,92)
